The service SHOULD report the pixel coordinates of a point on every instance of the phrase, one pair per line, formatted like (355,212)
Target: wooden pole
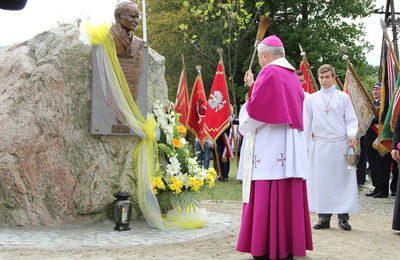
(215,157)
(339,83)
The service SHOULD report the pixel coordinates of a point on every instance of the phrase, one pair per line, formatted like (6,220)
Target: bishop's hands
(352,141)
(249,78)
(396,155)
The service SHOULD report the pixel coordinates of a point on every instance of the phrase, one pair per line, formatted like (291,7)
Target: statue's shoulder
(114,31)
(137,39)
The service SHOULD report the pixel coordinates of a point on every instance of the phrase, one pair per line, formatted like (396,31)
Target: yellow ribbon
(96,34)
(149,127)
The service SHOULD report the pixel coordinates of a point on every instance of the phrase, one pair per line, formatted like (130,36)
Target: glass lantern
(122,211)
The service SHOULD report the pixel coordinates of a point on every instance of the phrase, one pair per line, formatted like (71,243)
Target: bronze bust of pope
(128,46)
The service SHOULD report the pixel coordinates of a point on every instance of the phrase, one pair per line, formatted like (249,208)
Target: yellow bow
(149,127)
(96,34)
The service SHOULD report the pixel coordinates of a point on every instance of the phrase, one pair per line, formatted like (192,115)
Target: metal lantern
(122,211)
(352,159)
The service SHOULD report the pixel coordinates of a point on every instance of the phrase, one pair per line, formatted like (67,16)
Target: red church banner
(217,113)
(182,99)
(307,87)
(197,111)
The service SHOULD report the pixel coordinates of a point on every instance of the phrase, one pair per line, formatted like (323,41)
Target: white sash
(248,165)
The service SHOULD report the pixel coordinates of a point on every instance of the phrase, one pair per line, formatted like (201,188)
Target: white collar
(328,90)
(282,62)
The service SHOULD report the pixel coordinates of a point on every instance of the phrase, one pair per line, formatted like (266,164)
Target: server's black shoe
(343,224)
(380,195)
(322,224)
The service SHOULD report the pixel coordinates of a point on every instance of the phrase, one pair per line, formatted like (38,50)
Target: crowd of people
(292,158)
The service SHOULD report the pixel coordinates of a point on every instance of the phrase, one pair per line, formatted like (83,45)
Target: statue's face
(129,17)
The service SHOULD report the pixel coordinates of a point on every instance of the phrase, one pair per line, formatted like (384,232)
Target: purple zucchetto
(272,40)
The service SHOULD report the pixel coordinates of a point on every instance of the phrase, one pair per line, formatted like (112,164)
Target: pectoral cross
(282,159)
(255,161)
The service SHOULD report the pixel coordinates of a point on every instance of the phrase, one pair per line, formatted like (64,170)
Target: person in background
(331,121)
(223,144)
(396,156)
(204,157)
(380,166)
(300,76)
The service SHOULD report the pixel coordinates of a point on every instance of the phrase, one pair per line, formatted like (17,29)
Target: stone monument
(52,169)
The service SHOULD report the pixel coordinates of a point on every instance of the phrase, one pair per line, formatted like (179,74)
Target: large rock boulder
(52,170)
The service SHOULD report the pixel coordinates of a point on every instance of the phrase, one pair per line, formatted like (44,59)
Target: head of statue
(271,48)
(127,15)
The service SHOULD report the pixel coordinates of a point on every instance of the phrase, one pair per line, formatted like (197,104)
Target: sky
(41,15)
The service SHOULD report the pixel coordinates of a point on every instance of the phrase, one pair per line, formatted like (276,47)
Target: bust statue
(132,54)
(128,46)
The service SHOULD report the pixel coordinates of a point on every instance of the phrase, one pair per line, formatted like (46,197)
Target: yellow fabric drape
(146,153)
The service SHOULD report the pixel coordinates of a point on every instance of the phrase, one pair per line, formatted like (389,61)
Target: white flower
(169,139)
(174,167)
(169,133)
(162,122)
(185,179)
(202,173)
(192,164)
(183,141)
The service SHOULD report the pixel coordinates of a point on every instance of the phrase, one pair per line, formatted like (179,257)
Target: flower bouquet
(180,178)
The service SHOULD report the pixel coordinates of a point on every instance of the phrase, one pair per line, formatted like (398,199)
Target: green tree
(221,24)
(326,30)
(196,28)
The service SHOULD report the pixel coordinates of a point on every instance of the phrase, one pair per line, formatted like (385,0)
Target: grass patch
(230,190)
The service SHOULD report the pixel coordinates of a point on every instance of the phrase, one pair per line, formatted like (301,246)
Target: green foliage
(167,150)
(185,200)
(196,28)
(368,75)
(230,190)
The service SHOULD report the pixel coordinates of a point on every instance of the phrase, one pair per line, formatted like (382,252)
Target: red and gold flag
(182,98)
(197,112)
(217,114)
(362,103)
(305,68)
(308,80)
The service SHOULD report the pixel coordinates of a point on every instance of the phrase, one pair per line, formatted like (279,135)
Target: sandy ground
(371,238)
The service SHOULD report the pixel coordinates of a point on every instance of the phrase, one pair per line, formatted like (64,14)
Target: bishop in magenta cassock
(275,220)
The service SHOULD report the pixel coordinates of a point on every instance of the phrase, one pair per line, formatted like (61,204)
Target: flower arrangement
(180,177)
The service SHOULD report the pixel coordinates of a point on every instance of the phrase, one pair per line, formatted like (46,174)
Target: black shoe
(263,257)
(380,195)
(393,194)
(343,224)
(371,193)
(225,179)
(322,224)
